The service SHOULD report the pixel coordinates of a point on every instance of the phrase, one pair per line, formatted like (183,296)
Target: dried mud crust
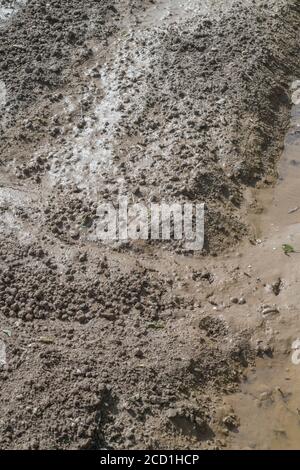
(102,351)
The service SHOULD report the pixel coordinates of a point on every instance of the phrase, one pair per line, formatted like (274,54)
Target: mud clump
(33,286)
(114,346)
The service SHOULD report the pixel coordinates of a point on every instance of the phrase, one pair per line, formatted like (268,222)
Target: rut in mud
(130,346)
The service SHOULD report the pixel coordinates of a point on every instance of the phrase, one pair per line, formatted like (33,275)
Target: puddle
(269,404)
(281,205)
(269,408)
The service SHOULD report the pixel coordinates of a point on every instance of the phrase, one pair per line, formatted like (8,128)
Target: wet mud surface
(269,404)
(144,345)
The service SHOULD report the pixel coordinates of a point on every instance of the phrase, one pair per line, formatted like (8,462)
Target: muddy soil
(268,403)
(144,345)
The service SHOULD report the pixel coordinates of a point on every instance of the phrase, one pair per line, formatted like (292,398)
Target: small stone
(74,234)
(231,421)
(83,257)
(139,353)
(172,413)
(108,315)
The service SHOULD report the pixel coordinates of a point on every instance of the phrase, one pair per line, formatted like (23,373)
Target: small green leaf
(7,332)
(87,222)
(288,249)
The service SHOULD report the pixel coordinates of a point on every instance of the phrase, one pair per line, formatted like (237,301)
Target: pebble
(139,353)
